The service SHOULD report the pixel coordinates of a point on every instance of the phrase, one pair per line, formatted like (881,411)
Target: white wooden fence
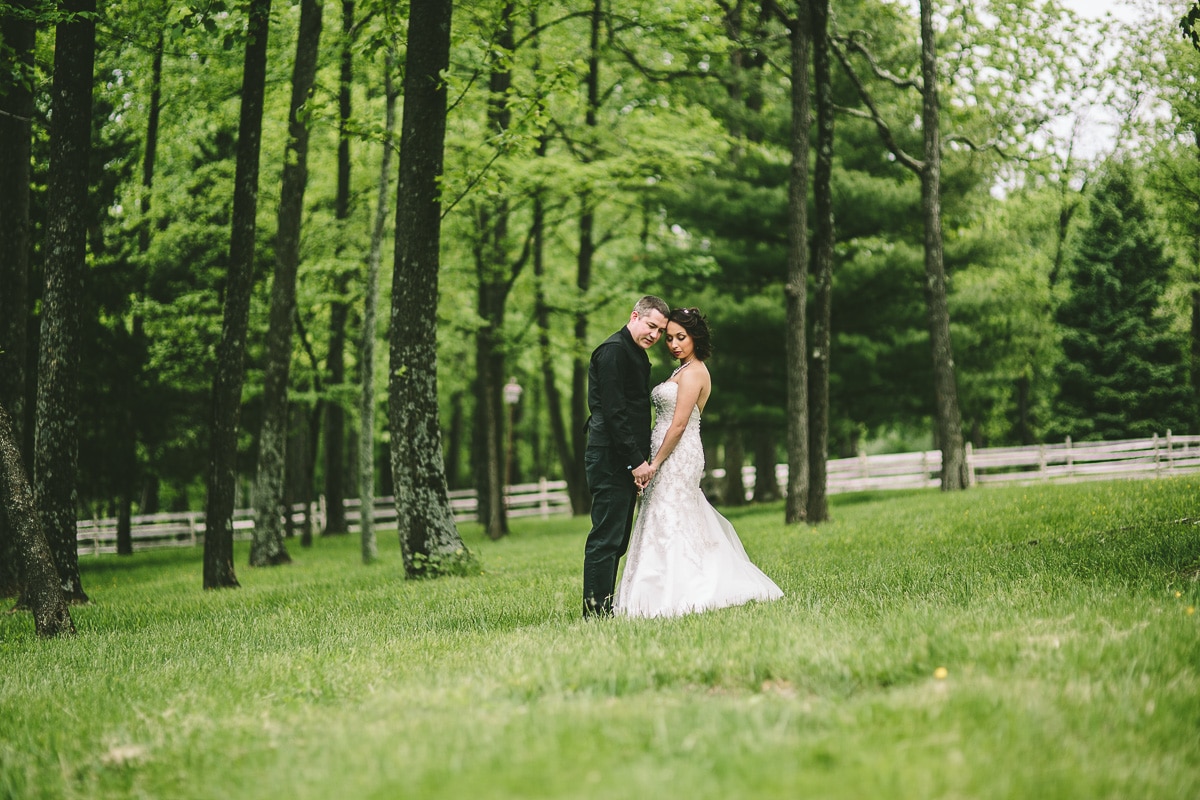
(1066,462)
(186,528)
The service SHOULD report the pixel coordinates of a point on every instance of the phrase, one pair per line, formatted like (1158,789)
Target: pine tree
(1124,374)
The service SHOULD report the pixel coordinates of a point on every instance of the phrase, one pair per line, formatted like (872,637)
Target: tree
(267,547)
(366,445)
(43,593)
(1191,25)
(1169,73)
(1123,374)
(823,241)
(335,414)
(495,276)
(230,366)
(56,435)
(796,282)
(17,38)
(929,169)
(429,538)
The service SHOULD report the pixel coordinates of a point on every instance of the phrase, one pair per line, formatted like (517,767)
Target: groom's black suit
(618,434)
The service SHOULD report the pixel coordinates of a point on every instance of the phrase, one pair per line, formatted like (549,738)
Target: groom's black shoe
(593,608)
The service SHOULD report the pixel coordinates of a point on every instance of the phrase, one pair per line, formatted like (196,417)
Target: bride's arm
(690,385)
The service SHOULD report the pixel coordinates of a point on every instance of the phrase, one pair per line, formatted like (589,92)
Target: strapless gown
(683,555)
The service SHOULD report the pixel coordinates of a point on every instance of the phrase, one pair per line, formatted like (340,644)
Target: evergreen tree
(1123,374)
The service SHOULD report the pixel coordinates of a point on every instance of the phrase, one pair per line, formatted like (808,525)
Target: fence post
(1070,458)
(544,505)
(1170,455)
(1157,457)
(970,464)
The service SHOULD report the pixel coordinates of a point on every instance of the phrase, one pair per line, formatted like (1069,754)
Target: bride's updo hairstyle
(697,327)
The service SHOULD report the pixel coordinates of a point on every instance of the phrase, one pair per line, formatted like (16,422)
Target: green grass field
(1034,642)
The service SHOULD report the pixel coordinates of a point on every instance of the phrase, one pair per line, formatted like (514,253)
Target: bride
(683,555)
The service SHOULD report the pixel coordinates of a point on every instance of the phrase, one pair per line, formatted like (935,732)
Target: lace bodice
(681,472)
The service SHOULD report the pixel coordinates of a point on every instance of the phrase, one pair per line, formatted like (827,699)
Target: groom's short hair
(650,303)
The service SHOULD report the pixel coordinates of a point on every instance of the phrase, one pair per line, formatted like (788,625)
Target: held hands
(642,475)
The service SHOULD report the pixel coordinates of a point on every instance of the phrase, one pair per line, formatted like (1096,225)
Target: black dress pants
(614,496)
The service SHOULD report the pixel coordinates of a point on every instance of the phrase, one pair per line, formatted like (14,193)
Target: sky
(1097,135)
(1096,8)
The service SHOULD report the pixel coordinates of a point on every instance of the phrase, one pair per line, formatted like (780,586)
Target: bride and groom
(683,556)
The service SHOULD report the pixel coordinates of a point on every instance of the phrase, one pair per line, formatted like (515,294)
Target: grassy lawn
(1034,642)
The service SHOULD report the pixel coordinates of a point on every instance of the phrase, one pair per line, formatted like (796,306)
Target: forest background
(593,152)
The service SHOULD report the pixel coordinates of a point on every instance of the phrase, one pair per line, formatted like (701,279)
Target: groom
(616,460)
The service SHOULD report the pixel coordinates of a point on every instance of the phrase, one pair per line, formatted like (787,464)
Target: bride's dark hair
(696,325)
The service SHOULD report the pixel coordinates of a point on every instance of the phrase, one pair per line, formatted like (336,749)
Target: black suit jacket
(619,399)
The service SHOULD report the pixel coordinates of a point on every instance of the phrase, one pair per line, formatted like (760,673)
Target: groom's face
(647,328)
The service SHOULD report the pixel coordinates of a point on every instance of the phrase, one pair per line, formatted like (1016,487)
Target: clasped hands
(642,475)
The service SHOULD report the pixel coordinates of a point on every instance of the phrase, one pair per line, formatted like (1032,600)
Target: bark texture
(230,369)
(949,418)
(56,430)
(366,447)
(796,282)
(495,279)
(43,593)
(16,114)
(733,492)
(823,239)
(429,539)
(339,314)
(267,547)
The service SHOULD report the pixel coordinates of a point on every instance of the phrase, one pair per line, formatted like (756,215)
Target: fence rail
(186,528)
(1065,462)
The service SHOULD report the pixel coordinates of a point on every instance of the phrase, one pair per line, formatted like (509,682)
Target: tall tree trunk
(154,112)
(766,485)
(366,447)
(335,414)
(495,278)
(1194,345)
(454,440)
(298,483)
(230,365)
(267,547)
(581,503)
(56,438)
(335,420)
(429,539)
(44,594)
(796,283)
(130,476)
(821,345)
(547,353)
(16,119)
(489,426)
(949,419)
(733,493)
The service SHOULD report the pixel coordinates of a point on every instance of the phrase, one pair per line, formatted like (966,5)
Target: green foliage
(1123,375)
(685,170)
(1190,25)
(1063,617)
(461,563)
(1006,343)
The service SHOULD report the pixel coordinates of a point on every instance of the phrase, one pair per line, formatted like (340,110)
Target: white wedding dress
(683,555)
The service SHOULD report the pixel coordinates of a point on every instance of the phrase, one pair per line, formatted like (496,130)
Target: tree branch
(880,72)
(885,132)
